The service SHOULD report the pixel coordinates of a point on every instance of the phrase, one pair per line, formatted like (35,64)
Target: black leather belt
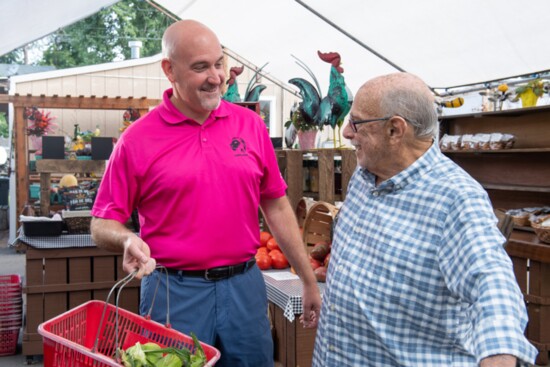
(221,272)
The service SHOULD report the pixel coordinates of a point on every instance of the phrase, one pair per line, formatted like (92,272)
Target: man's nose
(348,132)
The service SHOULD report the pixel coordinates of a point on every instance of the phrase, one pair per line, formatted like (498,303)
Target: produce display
(319,258)
(153,355)
(269,255)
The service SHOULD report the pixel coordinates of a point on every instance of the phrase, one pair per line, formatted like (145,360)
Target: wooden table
(63,272)
(531,259)
(293,344)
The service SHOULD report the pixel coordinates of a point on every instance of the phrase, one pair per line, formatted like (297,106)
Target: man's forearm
(109,234)
(500,360)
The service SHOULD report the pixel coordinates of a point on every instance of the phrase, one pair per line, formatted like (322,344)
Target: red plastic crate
(10,287)
(11,307)
(8,341)
(70,337)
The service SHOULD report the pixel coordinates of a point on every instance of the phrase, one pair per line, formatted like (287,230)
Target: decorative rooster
(331,109)
(253,90)
(232,93)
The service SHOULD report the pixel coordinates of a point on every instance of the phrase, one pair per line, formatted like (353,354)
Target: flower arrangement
(498,95)
(300,124)
(130,115)
(40,122)
(529,93)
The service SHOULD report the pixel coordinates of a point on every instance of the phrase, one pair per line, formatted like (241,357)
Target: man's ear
(397,127)
(167,68)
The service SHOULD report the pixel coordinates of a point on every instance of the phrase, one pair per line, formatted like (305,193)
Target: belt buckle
(213,278)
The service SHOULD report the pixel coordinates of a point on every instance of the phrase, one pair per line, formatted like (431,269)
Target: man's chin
(211,104)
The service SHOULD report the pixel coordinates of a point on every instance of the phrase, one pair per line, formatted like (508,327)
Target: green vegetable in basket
(152,352)
(198,359)
(152,355)
(134,356)
(169,360)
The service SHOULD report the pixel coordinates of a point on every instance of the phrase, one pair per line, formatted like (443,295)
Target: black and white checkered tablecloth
(53,242)
(287,294)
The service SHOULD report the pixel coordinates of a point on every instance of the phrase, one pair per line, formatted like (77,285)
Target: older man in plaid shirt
(418,275)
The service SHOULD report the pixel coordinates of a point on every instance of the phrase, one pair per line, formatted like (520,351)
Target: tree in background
(3,125)
(102,37)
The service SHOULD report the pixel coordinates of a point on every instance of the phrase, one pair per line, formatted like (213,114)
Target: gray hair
(414,106)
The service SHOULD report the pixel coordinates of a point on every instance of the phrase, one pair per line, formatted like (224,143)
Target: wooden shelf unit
(56,102)
(516,178)
(291,165)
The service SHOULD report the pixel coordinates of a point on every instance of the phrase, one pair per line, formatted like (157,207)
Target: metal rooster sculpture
(253,90)
(331,109)
(232,93)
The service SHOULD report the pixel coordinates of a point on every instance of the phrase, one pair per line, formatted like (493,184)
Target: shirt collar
(412,173)
(173,116)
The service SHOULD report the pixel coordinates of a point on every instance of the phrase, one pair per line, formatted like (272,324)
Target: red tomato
(275,252)
(279,261)
(272,244)
(262,250)
(264,237)
(264,261)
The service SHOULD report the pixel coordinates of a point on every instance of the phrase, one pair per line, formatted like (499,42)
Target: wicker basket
(77,221)
(318,224)
(519,217)
(303,207)
(542,232)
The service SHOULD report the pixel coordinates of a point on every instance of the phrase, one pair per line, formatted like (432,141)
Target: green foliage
(14,57)
(537,85)
(299,122)
(103,37)
(4,129)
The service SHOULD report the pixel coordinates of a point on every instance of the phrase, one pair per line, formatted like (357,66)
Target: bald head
(186,34)
(400,94)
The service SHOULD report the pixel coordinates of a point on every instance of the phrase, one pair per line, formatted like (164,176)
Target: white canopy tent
(447,43)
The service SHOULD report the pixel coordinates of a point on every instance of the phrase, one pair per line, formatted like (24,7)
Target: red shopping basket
(69,338)
(8,340)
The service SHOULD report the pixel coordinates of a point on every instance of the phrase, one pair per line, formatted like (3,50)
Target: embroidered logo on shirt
(238,145)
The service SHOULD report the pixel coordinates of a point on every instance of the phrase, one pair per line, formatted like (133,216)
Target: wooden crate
(318,225)
(293,344)
(59,279)
(531,259)
(291,165)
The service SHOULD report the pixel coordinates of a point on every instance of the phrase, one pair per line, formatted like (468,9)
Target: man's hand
(137,256)
(311,301)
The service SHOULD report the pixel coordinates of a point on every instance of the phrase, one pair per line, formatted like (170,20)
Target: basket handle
(148,316)
(121,283)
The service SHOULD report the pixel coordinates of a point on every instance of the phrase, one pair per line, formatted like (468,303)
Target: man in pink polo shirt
(197,168)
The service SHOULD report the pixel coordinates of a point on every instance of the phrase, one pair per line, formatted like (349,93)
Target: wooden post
(21,163)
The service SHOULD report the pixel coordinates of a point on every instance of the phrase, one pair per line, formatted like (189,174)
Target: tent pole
(350,36)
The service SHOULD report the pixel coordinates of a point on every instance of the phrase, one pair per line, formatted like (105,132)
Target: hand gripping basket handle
(121,284)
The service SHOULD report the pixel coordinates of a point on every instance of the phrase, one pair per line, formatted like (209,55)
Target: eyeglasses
(354,124)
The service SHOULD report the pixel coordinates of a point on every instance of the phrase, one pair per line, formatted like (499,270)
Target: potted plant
(530,92)
(298,125)
(40,123)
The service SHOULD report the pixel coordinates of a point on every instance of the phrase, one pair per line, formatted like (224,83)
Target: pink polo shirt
(197,187)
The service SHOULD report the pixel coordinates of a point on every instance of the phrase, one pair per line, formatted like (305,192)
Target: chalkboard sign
(78,197)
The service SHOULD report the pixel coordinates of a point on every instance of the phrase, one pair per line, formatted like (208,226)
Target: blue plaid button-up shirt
(418,275)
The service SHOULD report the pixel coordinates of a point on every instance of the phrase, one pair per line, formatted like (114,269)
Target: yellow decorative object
(530,92)
(78,144)
(68,181)
(502,88)
(528,98)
